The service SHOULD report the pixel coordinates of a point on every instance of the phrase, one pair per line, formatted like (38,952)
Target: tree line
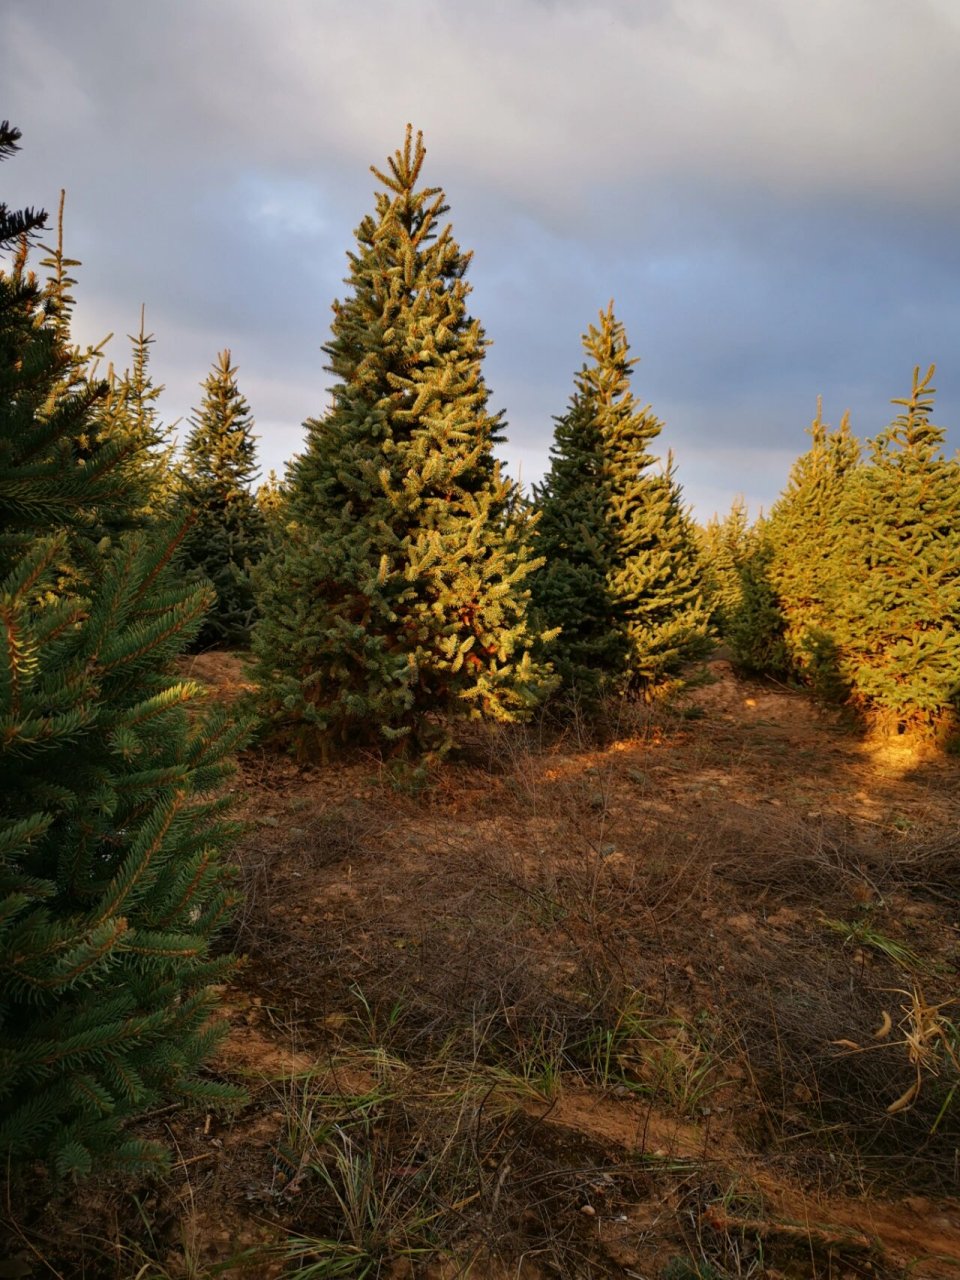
(850,586)
(395,583)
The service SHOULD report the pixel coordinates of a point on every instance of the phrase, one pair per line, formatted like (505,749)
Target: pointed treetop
(820,432)
(818,428)
(912,429)
(142,342)
(415,211)
(405,165)
(608,343)
(143,395)
(59,300)
(831,455)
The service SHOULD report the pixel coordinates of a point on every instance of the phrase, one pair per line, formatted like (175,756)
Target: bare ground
(678,1004)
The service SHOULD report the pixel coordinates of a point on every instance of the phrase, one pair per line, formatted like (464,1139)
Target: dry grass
(591,1003)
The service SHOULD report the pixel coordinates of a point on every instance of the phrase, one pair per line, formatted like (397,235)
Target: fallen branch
(826,1237)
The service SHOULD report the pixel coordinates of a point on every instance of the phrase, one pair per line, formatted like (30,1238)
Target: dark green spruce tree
(397,602)
(578,543)
(622,574)
(112,828)
(897,606)
(755,628)
(227,535)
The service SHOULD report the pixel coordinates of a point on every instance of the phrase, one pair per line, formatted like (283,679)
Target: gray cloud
(770,189)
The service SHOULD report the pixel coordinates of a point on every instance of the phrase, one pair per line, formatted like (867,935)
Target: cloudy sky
(768,189)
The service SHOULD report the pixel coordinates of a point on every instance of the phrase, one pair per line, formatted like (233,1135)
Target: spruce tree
(804,533)
(755,628)
(897,607)
(122,417)
(398,600)
(127,411)
(111,829)
(577,540)
(227,535)
(724,549)
(271,501)
(621,575)
(132,415)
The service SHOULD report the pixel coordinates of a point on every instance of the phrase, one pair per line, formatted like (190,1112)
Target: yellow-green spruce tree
(112,887)
(724,546)
(126,411)
(897,604)
(271,501)
(397,602)
(621,573)
(806,566)
(130,413)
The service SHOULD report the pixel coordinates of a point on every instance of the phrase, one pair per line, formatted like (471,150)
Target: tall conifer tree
(228,533)
(111,885)
(134,418)
(397,602)
(897,607)
(621,573)
(755,627)
(724,549)
(804,531)
(126,412)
